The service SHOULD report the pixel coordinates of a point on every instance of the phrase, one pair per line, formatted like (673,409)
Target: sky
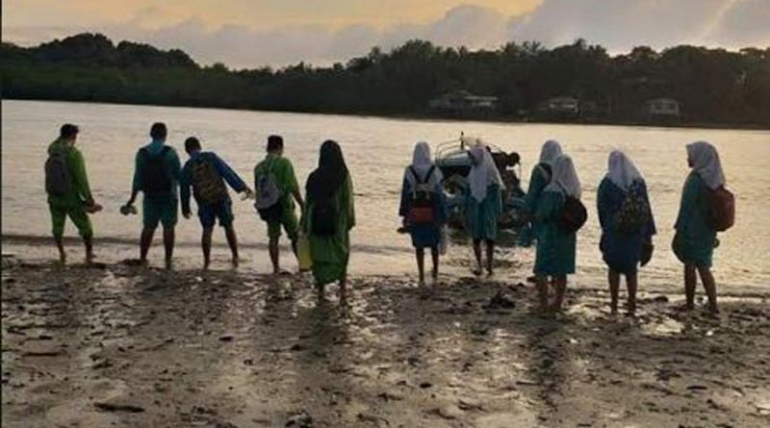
(276,33)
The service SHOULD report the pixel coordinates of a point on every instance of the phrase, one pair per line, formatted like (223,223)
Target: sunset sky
(252,33)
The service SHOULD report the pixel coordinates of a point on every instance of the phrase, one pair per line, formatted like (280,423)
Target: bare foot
(477,271)
(169,264)
(62,257)
(235,262)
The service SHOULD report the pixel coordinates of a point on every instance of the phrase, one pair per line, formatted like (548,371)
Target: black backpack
(324,220)
(155,176)
(573,215)
(58,179)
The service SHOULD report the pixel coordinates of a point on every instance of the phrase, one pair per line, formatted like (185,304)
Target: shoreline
(129,346)
(439,118)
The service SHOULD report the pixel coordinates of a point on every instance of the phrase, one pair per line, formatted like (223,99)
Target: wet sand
(116,345)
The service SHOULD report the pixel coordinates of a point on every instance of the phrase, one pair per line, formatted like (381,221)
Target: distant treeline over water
(708,86)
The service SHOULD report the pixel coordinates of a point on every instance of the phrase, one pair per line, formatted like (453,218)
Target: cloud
(619,25)
(744,23)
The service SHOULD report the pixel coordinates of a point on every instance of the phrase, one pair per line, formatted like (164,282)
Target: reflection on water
(377,151)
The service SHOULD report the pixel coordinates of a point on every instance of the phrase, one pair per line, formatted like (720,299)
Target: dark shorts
(160,210)
(209,213)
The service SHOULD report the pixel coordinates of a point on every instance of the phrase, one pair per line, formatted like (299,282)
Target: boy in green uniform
(68,191)
(275,184)
(156,174)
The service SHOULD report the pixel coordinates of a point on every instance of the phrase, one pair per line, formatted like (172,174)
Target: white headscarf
(551,149)
(483,172)
(564,179)
(705,161)
(621,171)
(422,163)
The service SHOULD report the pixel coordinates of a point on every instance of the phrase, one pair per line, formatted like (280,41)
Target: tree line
(712,86)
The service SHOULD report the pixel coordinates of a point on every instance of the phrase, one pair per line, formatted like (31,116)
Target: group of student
(327,211)
(552,211)
(328,215)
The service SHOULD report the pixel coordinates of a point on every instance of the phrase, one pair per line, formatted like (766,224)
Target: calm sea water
(377,150)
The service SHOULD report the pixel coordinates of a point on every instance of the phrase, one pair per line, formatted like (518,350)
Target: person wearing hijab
(421,190)
(329,218)
(540,177)
(695,237)
(483,204)
(625,228)
(555,255)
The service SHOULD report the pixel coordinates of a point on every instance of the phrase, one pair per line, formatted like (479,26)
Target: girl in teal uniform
(695,237)
(555,257)
(329,218)
(483,204)
(622,246)
(541,176)
(423,179)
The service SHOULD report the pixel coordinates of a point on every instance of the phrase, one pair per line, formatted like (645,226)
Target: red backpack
(722,203)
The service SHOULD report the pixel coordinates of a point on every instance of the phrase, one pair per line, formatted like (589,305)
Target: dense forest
(710,86)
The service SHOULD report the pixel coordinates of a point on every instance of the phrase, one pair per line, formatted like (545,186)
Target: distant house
(662,107)
(567,105)
(462,102)
(559,108)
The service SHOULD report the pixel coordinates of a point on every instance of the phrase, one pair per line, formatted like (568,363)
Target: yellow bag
(303,253)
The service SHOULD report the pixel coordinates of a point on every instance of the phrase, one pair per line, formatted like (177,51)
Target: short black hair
(192,144)
(158,130)
(68,130)
(274,142)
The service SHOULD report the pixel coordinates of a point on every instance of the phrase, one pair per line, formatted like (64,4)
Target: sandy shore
(117,345)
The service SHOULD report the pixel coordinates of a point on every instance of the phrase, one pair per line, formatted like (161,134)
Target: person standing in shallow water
(695,237)
(555,256)
(423,208)
(483,204)
(207,173)
(329,217)
(627,225)
(68,191)
(156,174)
(274,179)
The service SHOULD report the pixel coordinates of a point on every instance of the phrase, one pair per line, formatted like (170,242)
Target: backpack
(421,203)
(324,219)
(722,208)
(208,186)
(634,212)
(155,177)
(573,215)
(58,179)
(268,195)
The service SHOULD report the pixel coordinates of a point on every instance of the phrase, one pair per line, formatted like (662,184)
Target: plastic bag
(444,241)
(304,257)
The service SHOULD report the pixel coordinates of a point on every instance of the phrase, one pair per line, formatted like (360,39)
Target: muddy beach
(115,345)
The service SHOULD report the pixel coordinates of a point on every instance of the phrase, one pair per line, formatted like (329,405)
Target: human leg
(169,236)
(434,253)
(274,234)
(560,283)
(80,218)
(690,280)
(58,217)
(614,279)
(206,246)
(420,255)
(477,254)
(632,284)
(711,288)
(490,256)
(542,291)
(232,242)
